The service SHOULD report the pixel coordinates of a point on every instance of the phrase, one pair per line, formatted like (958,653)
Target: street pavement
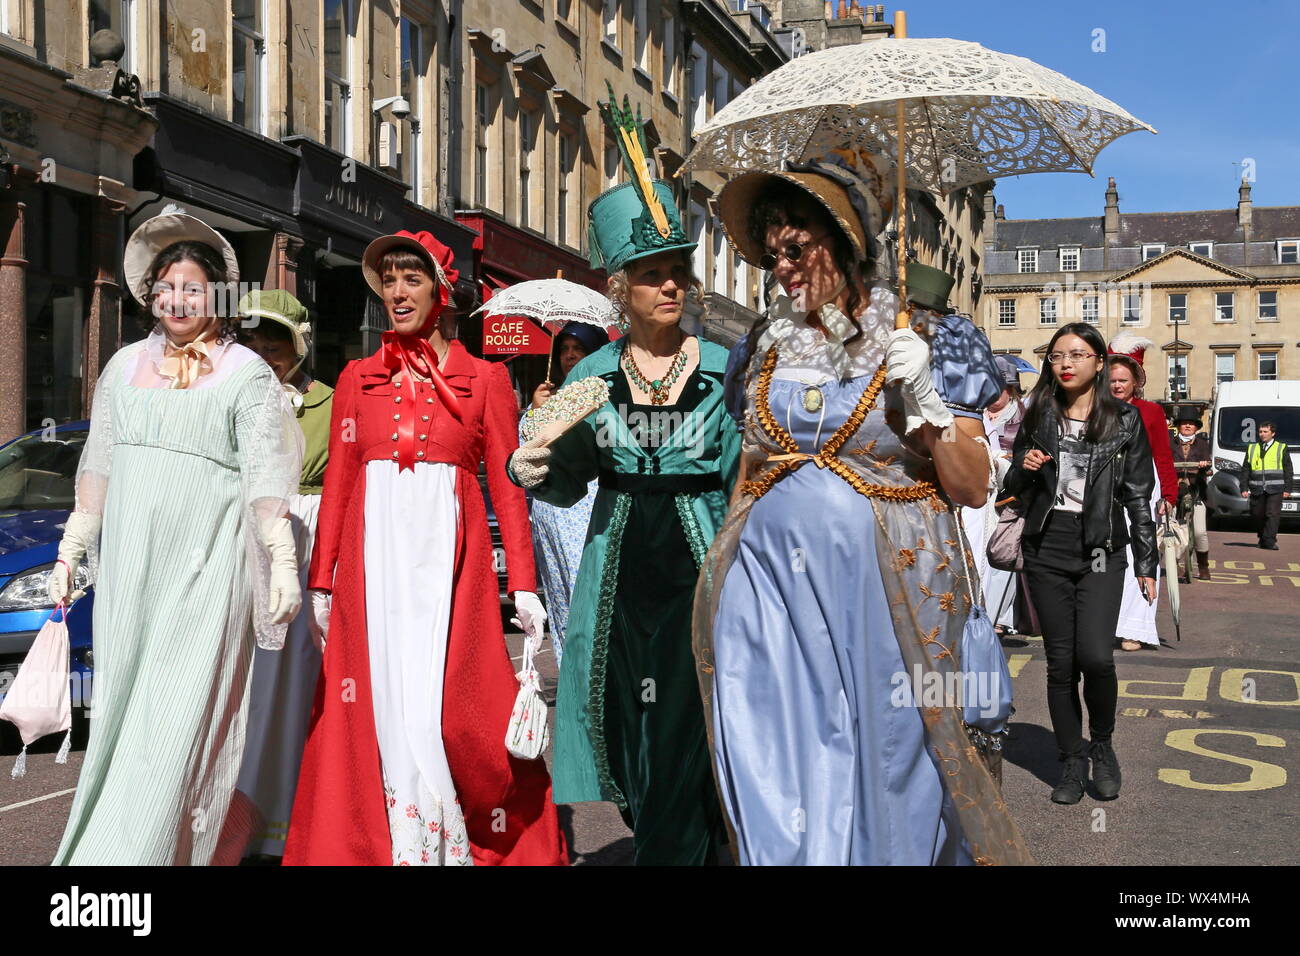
(1208,737)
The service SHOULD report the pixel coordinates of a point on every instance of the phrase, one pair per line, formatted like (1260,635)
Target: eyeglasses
(790,253)
(1056,358)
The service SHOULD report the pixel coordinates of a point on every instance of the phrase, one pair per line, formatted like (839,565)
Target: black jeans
(1077,596)
(1267,511)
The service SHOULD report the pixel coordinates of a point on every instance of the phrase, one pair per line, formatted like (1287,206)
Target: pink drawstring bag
(38,701)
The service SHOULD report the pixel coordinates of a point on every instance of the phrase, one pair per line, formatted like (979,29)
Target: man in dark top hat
(1191,451)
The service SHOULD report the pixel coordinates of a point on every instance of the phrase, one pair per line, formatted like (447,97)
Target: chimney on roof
(854,9)
(1002,211)
(1243,219)
(989,223)
(1110,222)
(828,9)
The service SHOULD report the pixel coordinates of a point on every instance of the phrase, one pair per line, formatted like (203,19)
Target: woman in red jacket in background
(406,761)
(1137,616)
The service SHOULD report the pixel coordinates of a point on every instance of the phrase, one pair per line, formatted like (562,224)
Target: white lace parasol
(971,114)
(553,303)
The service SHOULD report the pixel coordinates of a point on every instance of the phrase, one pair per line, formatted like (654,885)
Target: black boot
(1073,780)
(1105,770)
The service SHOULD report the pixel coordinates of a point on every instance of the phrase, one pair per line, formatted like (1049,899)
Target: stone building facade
(1217,291)
(304,128)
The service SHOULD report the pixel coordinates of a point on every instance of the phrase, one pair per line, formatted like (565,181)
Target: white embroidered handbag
(528,733)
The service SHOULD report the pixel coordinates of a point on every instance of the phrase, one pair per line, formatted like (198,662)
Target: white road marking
(48,796)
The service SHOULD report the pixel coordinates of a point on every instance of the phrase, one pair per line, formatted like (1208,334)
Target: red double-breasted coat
(339,817)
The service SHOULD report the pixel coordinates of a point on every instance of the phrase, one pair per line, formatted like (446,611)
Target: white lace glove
(286,593)
(529,465)
(319,621)
(530,617)
(908,361)
(79,534)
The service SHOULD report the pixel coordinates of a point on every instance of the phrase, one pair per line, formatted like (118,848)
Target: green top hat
(637,218)
(928,287)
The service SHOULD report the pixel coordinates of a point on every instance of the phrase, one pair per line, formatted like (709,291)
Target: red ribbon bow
(410,354)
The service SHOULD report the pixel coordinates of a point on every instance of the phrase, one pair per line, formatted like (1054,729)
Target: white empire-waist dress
(178,590)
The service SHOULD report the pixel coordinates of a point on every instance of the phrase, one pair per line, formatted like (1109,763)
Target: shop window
(59,288)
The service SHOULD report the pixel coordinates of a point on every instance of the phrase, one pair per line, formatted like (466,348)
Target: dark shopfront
(299,216)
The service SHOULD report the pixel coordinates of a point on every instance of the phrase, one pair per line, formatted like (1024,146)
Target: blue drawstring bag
(986,679)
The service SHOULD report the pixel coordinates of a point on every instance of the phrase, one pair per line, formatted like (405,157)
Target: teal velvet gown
(630,722)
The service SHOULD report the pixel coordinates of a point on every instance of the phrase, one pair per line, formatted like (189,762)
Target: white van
(1239,407)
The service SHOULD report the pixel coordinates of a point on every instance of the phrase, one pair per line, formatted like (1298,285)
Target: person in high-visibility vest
(1267,476)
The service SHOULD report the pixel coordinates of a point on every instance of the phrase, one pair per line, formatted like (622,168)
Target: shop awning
(514,335)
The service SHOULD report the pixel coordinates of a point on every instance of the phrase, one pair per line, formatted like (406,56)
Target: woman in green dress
(629,722)
(182,498)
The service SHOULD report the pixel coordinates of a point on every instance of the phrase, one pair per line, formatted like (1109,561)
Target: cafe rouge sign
(507,335)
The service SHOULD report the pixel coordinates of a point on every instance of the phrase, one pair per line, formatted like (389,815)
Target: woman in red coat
(1137,615)
(406,761)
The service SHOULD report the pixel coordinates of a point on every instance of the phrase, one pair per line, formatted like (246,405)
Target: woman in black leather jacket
(1079,458)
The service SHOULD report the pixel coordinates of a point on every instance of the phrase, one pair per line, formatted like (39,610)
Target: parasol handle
(550,358)
(903,319)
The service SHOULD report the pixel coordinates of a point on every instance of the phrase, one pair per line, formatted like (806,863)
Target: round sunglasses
(791,253)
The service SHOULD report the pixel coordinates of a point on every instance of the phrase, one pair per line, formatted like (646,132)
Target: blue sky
(1219,81)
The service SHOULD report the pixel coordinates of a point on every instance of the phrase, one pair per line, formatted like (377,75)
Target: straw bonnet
(169,227)
(849,184)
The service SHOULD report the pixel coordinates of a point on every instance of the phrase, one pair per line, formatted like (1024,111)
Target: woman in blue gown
(560,534)
(838,582)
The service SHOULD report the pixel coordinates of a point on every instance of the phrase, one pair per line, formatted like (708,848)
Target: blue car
(37,491)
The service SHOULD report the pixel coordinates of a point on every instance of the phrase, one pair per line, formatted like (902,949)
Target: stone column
(13,321)
(104,326)
(283,271)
